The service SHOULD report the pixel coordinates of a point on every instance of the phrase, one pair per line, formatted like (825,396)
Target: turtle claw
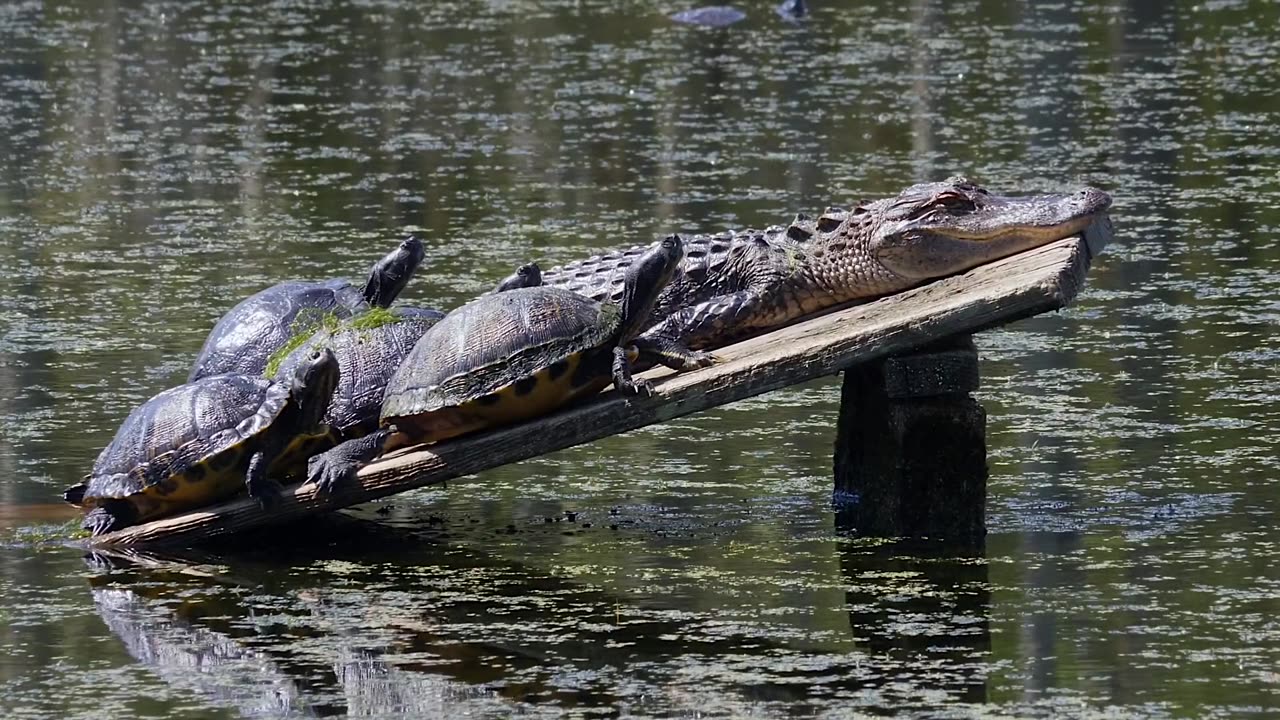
(267,492)
(101,521)
(336,468)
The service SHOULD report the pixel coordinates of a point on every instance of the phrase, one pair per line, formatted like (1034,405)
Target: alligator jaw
(1098,235)
(942,239)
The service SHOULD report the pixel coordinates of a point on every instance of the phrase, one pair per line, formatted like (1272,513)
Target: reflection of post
(923,603)
(911,446)
(922,140)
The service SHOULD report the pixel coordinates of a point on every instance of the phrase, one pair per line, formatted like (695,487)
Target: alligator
(734,285)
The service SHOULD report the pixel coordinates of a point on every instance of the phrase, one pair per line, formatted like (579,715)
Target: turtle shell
(245,338)
(502,358)
(367,358)
(187,446)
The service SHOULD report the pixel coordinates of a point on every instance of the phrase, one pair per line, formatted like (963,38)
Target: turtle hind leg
(112,515)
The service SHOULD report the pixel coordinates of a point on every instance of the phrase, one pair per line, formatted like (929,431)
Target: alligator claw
(639,388)
(701,359)
(328,475)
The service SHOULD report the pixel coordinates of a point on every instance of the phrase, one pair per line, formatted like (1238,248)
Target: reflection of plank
(192,658)
(1036,281)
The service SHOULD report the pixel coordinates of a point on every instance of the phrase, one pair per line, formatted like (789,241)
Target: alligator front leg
(761,286)
(672,353)
(335,468)
(711,323)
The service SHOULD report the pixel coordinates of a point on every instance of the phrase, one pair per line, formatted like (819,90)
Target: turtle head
(529,275)
(392,272)
(645,280)
(313,385)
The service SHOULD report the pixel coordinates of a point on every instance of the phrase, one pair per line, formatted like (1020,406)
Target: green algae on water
(44,533)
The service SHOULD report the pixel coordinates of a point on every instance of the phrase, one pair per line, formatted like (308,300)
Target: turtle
(510,356)
(244,339)
(710,16)
(201,442)
(369,348)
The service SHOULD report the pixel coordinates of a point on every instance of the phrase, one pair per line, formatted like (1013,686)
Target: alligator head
(936,229)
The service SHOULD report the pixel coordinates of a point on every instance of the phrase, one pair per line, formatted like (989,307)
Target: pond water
(161,160)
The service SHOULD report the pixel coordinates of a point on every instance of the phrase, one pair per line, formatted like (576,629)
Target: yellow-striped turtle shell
(502,358)
(190,446)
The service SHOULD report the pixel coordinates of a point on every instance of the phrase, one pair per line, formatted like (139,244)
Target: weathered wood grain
(1033,282)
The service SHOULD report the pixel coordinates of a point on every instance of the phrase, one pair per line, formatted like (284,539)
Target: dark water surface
(161,160)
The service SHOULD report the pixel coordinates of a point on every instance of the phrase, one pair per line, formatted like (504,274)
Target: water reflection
(924,606)
(188,655)
(362,618)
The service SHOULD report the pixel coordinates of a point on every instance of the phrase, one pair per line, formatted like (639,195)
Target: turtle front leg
(262,488)
(622,379)
(336,467)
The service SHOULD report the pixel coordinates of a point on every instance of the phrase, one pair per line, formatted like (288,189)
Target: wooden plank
(1043,279)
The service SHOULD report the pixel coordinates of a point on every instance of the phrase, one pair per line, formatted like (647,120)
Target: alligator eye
(956,203)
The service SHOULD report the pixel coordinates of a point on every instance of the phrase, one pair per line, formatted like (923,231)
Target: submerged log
(1043,279)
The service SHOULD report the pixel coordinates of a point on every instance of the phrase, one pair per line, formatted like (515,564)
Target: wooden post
(911,457)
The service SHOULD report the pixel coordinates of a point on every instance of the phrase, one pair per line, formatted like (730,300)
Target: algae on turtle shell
(307,324)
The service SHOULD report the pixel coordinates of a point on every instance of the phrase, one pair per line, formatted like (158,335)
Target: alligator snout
(1091,199)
